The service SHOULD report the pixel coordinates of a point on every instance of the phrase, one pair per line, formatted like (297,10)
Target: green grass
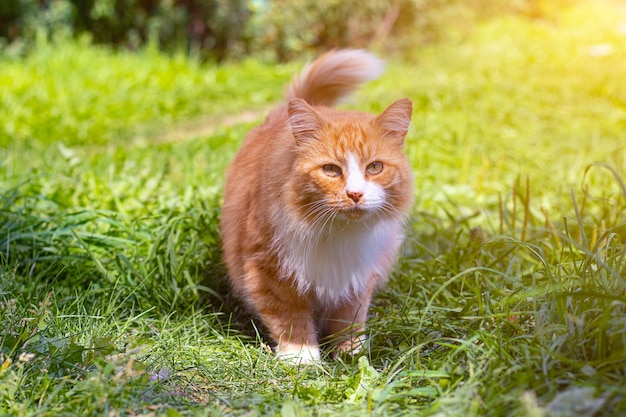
(509,300)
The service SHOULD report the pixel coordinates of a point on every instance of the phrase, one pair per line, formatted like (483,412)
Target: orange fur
(314,206)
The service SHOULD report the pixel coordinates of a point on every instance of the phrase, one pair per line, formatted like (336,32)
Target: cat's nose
(354,195)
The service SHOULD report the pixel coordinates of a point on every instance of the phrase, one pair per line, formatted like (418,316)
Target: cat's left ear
(303,119)
(394,121)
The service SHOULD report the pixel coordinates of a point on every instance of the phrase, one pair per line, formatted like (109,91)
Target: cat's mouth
(354,212)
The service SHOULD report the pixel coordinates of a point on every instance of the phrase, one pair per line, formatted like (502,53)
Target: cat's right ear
(304,121)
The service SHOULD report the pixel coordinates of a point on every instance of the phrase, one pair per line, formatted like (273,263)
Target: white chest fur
(338,262)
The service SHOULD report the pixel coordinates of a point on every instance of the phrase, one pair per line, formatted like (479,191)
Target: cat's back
(261,141)
(244,223)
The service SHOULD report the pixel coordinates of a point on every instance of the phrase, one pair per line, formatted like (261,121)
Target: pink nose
(354,195)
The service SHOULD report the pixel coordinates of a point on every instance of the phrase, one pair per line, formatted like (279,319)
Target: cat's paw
(351,346)
(298,354)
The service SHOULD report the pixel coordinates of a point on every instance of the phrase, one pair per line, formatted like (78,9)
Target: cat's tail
(334,76)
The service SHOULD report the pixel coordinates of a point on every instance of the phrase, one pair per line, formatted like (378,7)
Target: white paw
(298,354)
(361,342)
(352,347)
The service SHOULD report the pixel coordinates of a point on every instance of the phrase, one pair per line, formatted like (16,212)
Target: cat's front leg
(346,322)
(346,328)
(286,314)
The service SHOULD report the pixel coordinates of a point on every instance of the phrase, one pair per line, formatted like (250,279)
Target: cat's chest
(339,262)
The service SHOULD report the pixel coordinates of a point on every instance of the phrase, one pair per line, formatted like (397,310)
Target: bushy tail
(334,76)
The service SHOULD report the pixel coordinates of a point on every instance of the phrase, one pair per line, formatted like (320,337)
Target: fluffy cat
(314,207)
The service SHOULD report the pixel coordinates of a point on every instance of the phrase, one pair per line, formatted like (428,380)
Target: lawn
(510,296)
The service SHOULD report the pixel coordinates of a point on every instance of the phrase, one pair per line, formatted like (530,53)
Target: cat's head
(350,165)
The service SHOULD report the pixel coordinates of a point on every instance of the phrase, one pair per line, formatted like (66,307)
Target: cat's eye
(374,168)
(332,170)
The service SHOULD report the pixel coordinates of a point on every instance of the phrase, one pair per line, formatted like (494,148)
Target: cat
(314,207)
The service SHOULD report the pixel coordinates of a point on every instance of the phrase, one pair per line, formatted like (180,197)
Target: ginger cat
(314,207)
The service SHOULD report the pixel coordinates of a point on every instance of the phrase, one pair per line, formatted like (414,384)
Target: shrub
(271,29)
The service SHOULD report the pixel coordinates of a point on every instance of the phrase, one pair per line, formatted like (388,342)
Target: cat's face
(351,166)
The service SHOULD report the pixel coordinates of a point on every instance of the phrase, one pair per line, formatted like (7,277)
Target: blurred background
(270,30)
